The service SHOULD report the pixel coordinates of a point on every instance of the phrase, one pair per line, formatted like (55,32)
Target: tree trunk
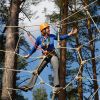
(92,49)
(9,77)
(80,86)
(62,68)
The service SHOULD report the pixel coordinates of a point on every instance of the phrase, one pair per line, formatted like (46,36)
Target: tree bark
(9,77)
(62,67)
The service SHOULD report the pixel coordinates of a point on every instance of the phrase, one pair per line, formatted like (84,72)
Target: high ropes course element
(76,77)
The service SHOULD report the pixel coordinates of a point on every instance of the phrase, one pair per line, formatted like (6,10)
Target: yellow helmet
(43,26)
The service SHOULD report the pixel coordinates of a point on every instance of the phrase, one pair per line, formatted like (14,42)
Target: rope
(18,42)
(78,11)
(9,95)
(40,57)
(16,70)
(82,62)
(87,78)
(29,35)
(92,19)
(78,20)
(97,37)
(94,94)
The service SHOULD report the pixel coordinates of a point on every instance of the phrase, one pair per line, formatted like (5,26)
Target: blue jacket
(47,43)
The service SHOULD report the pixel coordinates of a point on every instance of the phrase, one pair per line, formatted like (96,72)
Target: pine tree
(10,58)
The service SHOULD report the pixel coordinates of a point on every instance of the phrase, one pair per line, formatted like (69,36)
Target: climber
(46,41)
